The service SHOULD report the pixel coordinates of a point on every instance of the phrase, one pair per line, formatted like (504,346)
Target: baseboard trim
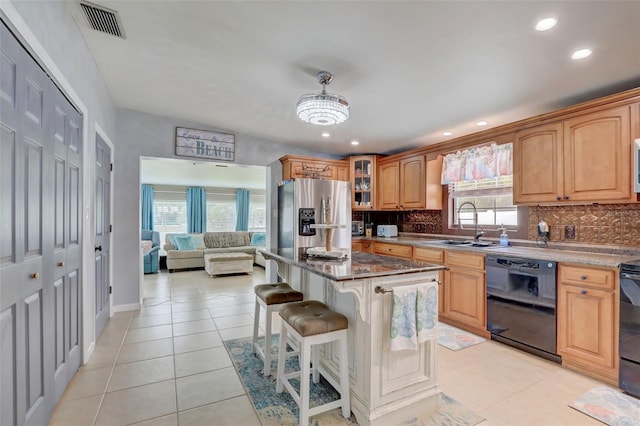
(125,308)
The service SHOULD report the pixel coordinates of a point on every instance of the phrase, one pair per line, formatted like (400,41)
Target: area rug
(455,339)
(276,409)
(609,406)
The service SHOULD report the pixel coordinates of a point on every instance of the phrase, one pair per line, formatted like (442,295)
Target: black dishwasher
(521,304)
(630,328)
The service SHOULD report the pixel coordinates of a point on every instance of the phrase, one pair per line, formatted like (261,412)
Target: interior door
(102,232)
(23,312)
(65,290)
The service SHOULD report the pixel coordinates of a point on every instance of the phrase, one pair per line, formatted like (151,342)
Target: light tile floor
(166,365)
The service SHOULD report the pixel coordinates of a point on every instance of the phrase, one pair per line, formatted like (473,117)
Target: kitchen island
(387,387)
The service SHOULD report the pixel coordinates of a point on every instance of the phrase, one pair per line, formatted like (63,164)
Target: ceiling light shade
(581,54)
(324,109)
(546,24)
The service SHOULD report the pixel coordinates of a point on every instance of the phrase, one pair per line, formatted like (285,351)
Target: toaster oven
(357,227)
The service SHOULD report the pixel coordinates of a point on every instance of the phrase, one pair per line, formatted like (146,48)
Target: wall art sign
(205,144)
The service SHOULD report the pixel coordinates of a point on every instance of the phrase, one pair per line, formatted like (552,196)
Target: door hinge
(110,289)
(110,167)
(110,228)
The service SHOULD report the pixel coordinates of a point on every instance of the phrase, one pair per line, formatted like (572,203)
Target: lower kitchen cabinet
(362,246)
(587,320)
(395,250)
(464,299)
(465,292)
(421,254)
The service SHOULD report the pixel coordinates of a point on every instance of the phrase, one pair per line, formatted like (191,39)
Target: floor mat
(280,409)
(609,406)
(455,339)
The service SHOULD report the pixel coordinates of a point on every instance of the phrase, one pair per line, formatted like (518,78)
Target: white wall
(142,134)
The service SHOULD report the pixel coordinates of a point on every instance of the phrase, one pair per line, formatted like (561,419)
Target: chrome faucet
(479,233)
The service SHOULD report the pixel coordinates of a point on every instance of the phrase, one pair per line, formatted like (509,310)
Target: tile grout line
(113,367)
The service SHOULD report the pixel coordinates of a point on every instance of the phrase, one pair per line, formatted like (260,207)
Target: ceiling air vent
(103,19)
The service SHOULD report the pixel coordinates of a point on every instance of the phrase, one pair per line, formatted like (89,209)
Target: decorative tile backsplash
(612,224)
(423,221)
(617,224)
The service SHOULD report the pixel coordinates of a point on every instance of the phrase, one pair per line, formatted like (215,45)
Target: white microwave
(636,165)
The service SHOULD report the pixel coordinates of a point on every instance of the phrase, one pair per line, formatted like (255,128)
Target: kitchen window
(493,199)
(482,176)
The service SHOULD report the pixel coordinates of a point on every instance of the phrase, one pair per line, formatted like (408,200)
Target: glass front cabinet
(363,169)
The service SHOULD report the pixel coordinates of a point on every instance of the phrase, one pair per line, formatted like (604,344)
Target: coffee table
(228,263)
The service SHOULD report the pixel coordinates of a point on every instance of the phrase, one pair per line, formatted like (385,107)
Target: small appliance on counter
(357,227)
(387,231)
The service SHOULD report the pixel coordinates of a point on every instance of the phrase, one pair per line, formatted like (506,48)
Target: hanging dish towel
(403,318)
(427,311)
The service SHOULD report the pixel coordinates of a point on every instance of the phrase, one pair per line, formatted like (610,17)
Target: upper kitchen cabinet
(314,168)
(403,183)
(537,164)
(363,182)
(586,158)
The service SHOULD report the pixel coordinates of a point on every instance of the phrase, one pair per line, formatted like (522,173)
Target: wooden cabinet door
(464,297)
(342,173)
(356,246)
(586,327)
(413,187)
(389,185)
(537,164)
(597,150)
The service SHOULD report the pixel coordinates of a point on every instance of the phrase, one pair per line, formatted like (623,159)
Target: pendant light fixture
(324,109)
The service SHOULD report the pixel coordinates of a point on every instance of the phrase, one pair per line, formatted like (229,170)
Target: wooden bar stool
(312,323)
(270,297)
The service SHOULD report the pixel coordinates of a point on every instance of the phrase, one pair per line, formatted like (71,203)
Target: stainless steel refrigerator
(300,205)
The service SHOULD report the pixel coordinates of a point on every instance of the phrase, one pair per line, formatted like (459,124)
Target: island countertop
(357,266)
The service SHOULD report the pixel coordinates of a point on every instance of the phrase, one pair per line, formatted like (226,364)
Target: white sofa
(214,242)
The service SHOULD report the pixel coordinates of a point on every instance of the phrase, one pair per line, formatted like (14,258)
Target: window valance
(482,162)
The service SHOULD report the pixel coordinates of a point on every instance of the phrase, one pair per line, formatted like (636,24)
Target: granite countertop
(604,256)
(357,266)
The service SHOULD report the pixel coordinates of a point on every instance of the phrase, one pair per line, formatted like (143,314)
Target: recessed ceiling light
(325,135)
(446,133)
(546,24)
(355,143)
(580,54)
(482,123)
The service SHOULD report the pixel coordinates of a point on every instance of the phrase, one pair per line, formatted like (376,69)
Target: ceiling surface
(410,70)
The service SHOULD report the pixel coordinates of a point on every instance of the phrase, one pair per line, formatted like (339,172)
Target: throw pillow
(184,242)
(258,239)
(172,238)
(198,241)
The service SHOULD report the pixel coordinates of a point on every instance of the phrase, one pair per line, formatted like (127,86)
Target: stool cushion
(274,294)
(311,317)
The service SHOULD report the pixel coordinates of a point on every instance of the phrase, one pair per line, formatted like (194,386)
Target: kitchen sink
(464,243)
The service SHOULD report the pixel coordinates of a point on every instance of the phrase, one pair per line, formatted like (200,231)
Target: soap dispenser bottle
(504,237)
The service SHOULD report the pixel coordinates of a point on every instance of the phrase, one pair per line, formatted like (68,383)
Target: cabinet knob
(583,277)
(558,198)
(583,292)
(566,197)
(60,264)
(35,276)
